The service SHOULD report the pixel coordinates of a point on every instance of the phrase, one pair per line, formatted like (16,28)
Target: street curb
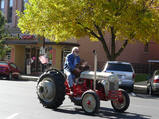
(140,86)
(142,89)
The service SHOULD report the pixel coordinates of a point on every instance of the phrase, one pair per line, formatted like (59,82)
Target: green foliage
(141,77)
(3,47)
(2,24)
(60,20)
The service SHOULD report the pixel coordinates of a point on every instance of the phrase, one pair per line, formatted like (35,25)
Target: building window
(10,11)
(65,51)
(2,6)
(8,55)
(24,1)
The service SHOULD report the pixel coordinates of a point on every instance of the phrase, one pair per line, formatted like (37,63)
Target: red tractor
(88,90)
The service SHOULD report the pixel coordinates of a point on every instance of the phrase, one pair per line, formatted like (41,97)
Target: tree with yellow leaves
(60,20)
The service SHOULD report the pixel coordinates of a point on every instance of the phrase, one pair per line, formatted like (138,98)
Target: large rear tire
(90,102)
(122,103)
(51,90)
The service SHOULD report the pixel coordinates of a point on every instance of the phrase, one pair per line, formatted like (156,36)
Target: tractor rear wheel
(90,102)
(122,103)
(51,90)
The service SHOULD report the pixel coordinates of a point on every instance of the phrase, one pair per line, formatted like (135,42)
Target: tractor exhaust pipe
(95,68)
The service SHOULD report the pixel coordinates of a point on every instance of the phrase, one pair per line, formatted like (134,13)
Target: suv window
(119,67)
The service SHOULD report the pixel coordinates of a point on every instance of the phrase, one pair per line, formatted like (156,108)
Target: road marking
(12,116)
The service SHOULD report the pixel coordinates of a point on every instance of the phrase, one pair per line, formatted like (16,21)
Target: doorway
(32,63)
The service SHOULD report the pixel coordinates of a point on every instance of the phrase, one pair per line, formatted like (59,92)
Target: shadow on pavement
(103,113)
(111,114)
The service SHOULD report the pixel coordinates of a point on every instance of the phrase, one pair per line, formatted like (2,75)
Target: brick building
(136,53)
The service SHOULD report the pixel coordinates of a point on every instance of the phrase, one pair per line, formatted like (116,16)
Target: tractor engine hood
(108,80)
(99,75)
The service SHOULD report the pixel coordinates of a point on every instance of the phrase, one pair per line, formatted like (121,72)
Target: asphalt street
(18,100)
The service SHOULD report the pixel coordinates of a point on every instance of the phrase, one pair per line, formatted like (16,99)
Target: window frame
(10,11)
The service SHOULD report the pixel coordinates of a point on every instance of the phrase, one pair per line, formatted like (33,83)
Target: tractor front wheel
(90,102)
(122,103)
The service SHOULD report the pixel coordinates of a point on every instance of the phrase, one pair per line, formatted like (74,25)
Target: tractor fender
(52,72)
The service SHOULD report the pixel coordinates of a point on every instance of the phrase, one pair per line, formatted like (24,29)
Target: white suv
(124,71)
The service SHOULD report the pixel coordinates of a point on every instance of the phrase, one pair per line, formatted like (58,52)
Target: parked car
(124,71)
(8,70)
(153,83)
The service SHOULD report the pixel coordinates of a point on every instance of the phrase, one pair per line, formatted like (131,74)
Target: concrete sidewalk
(141,83)
(29,77)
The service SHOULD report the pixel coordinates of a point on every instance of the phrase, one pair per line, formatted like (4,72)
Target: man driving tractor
(89,88)
(70,64)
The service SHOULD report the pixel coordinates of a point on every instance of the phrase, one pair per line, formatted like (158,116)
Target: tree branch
(99,31)
(113,42)
(122,48)
(103,41)
(89,30)
(151,2)
(100,38)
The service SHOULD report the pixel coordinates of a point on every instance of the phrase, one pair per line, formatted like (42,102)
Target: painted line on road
(12,116)
(140,86)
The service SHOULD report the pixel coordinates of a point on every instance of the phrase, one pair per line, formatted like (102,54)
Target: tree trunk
(110,56)
(105,47)
(113,45)
(121,48)
(113,55)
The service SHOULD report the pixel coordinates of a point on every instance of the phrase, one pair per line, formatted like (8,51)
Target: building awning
(20,42)
(34,42)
